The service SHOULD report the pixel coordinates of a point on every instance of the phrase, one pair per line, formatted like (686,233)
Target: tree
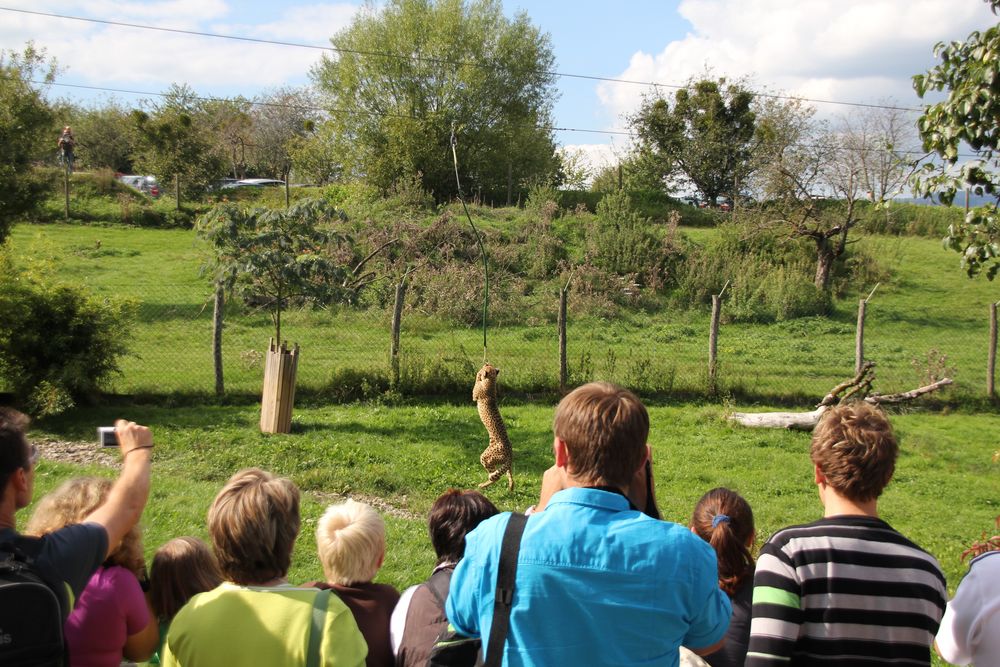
(24,119)
(706,136)
(228,126)
(876,139)
(276,259)
(405,75)
(105,137)
(174,141)
(281,118)
(969,72)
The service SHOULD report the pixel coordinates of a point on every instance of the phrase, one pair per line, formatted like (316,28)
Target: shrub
(58,343)
(624,243)
(768,281)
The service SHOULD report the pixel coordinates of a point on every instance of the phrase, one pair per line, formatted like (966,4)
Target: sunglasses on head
(34,455)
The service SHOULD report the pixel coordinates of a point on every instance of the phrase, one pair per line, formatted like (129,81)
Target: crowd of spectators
(596,576)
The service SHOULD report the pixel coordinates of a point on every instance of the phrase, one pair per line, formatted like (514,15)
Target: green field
(926,305)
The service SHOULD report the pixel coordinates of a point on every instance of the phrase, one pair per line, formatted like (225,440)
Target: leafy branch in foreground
(970,73)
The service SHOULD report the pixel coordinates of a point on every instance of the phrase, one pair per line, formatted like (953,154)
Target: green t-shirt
(253,625)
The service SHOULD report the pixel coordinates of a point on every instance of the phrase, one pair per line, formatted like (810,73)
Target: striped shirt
(845,590)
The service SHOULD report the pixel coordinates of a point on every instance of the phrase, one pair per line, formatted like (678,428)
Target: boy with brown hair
(846,589)
(597,581)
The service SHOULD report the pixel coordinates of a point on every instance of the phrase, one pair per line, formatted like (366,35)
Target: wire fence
(346,352)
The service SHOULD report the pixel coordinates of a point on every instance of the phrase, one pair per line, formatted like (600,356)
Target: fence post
(217,338)
(991,363)
(713,339)
(397,316)
(859,336)
(66,190)
(177,192)
(563,368)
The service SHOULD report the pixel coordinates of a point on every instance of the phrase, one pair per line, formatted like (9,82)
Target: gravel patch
(80,453)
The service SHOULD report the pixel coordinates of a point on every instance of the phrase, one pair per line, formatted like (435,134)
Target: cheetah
(498,457)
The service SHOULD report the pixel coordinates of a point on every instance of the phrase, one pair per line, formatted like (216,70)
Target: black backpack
(31,610)
(455,650)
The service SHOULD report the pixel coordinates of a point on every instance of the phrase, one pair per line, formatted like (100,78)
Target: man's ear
(561,452)
(819,477)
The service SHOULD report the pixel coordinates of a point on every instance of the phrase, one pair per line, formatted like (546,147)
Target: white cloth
(970,629)
(397,623)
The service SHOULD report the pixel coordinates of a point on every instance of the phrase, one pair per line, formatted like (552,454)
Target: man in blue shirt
(598,582)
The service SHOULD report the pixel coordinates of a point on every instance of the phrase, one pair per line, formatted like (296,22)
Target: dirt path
(88,453)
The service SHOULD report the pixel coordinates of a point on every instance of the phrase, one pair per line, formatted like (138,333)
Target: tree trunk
(824,263)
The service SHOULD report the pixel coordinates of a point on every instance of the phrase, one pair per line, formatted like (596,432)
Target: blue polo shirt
(597,584)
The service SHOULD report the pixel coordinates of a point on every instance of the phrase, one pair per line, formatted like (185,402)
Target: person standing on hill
(847,589)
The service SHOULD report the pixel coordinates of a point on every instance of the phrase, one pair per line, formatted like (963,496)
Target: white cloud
(850,50)
(306,24)
(121,57)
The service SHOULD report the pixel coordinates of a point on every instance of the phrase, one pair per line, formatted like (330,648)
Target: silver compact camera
(106,436)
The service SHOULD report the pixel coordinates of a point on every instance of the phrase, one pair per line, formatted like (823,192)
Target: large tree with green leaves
(175,140)
(705,137)
(969,72)
(406,73)
(24,119)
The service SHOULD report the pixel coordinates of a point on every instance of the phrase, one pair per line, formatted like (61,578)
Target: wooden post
(859,337)
(217,339)
(563,367)
(287,197)
(177,191)
(713,340)
(991,363)
(397,317)
(279,388)
(66,190)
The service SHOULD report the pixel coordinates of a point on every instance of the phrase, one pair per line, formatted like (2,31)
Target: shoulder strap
(504,597)
(438,585)
(320,603)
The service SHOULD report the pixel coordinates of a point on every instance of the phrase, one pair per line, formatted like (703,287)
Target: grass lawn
(928,309)
(400,457)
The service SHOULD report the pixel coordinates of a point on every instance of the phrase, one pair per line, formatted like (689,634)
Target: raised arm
(128,496)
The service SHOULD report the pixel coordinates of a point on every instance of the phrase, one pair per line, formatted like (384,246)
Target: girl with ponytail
(724,519)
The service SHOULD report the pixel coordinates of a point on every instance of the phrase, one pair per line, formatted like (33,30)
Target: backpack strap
(503,600)
(438,585)
(320,604)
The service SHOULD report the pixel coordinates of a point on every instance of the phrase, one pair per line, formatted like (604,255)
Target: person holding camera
(597,581)
(69,556)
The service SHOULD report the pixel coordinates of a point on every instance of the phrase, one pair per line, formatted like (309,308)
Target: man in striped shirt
(847,589)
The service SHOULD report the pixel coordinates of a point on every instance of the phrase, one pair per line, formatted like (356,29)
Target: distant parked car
(145,184)
(252,183)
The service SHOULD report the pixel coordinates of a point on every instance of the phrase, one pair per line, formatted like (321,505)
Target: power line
(437,61)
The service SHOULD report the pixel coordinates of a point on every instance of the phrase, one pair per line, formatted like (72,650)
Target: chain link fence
(345,352)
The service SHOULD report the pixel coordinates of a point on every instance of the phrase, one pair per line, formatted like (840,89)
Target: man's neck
(8,509)
(835,504)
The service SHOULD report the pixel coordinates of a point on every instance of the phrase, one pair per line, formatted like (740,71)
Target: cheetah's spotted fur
(498,456)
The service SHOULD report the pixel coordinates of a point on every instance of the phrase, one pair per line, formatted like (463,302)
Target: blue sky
(849,50)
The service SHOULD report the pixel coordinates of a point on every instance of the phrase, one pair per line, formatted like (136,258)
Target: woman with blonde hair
(110,620)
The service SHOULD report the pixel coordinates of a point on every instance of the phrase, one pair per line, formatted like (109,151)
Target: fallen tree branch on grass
(860,385)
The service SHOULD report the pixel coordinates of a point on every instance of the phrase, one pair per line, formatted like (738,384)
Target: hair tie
(719,518)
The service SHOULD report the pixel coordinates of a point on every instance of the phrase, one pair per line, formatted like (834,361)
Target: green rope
(479,238)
